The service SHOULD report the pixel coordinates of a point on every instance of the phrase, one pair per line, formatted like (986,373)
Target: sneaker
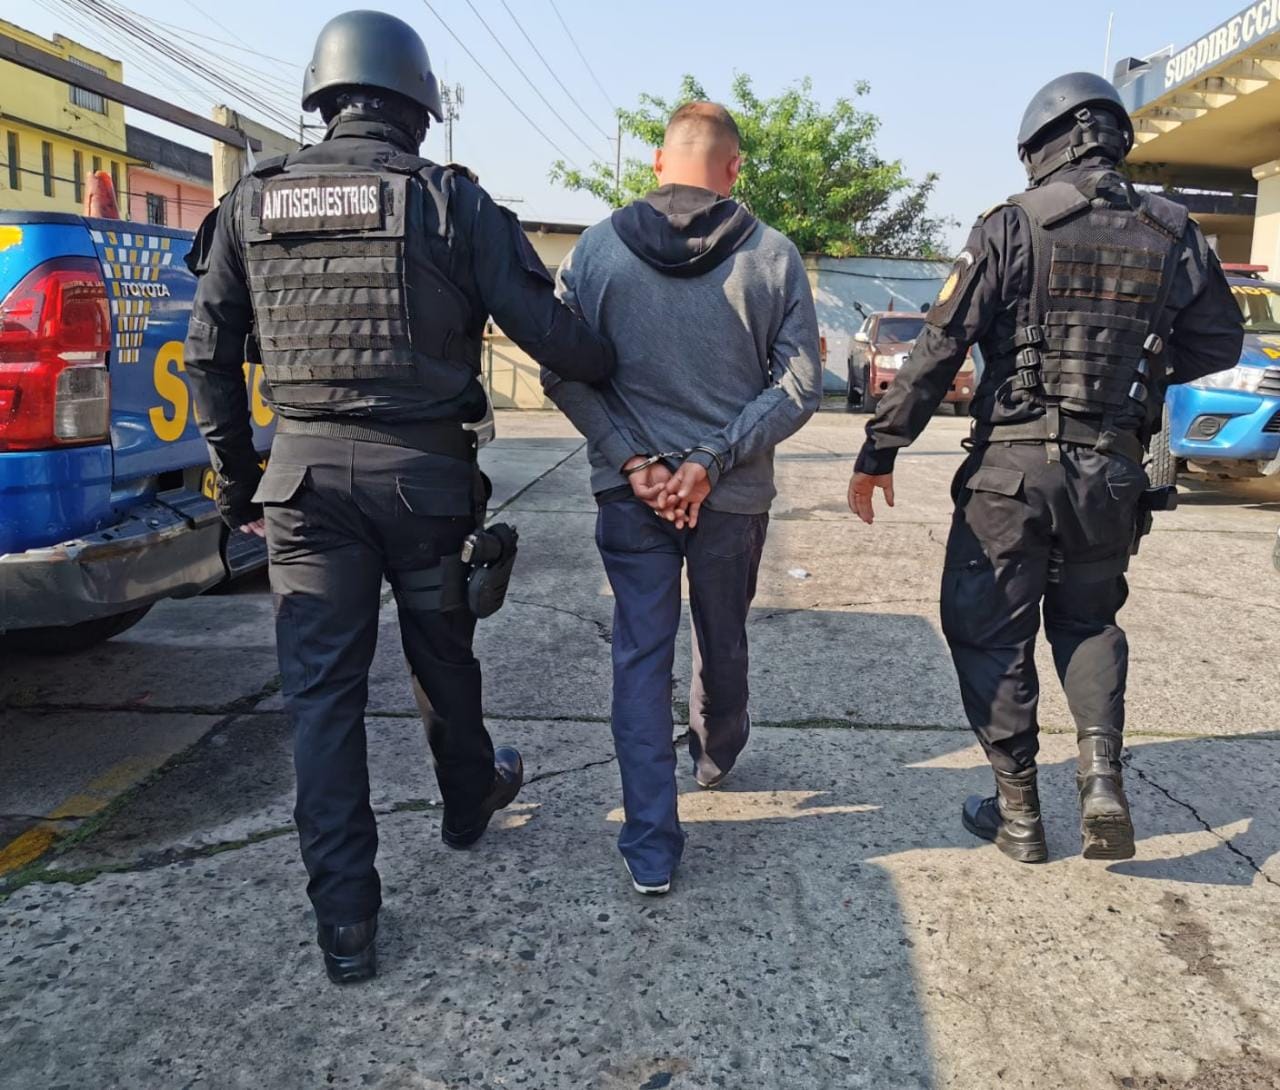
(648,889)
(714,782)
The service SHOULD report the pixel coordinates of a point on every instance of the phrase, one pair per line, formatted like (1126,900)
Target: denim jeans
(643,558)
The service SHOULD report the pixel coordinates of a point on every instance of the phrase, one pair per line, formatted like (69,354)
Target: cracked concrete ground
(833,925)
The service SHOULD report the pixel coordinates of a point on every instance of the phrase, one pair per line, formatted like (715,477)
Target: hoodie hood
(682,230)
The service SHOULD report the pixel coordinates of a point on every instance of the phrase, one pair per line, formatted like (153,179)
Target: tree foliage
(810,172)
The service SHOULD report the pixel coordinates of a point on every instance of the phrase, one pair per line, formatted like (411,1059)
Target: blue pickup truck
(1228,424)
(106,496)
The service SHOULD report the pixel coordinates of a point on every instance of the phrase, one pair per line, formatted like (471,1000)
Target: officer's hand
(258,527)
(862,488)
(684,494)
(647,484)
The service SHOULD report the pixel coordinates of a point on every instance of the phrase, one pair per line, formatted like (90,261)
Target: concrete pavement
(833,925)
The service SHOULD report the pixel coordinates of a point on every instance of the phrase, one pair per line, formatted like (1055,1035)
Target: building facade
(53,134)
(1207,117)
(168,183)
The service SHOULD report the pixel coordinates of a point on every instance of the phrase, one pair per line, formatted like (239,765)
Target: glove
(234,497)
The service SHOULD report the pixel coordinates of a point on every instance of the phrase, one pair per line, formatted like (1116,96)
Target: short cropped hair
(703,121)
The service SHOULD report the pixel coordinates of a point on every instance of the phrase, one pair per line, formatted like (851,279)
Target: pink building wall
(186,203)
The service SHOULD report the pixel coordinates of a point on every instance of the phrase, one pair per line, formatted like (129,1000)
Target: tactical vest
(1093,328)
(353,312)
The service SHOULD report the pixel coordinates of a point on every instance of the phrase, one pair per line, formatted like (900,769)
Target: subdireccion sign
(1237,34)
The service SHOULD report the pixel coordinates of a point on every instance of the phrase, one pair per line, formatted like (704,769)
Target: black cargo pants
(341,515)
(1028,531)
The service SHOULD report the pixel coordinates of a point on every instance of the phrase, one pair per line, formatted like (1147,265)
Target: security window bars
(88,100)
(155,209)
(46,166)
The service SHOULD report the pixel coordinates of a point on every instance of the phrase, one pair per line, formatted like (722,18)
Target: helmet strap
(1091,132)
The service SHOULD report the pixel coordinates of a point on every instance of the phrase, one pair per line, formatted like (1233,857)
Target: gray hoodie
(717,339)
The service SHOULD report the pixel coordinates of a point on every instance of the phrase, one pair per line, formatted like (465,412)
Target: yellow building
(52,134)
(511,377)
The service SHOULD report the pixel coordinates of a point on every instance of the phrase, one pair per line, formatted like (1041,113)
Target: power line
(106,12)
(205,204)
(552,72)
(128,50)
(515,105)
(582,56)
(189,33)
(536,90)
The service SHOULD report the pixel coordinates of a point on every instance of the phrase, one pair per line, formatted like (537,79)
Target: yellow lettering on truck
(170,424)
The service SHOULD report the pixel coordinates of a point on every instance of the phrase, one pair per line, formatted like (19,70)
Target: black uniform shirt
(992,278)
(490,260)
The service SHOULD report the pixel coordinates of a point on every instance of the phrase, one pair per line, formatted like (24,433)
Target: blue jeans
(643,556)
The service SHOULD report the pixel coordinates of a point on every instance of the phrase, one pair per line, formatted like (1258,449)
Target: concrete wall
(38,110)
(186,202)
(231,164)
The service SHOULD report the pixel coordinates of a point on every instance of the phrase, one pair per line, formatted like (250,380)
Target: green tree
(811,173)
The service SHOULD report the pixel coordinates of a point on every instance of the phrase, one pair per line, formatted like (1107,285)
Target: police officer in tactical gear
(362,277)
(1087,298)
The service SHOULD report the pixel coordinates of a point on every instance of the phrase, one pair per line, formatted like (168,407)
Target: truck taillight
(55,333)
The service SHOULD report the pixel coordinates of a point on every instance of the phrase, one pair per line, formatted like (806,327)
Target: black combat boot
(1105,824)
(1010,818)
(508,777)
(350,950)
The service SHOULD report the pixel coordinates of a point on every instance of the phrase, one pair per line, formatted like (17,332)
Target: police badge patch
(944,306)
(963,263)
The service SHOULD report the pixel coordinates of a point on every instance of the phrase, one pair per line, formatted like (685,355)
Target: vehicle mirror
(861,337)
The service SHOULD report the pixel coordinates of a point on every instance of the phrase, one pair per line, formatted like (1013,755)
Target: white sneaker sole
(647,890)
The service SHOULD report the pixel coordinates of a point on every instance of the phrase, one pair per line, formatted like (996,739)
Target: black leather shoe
(1105,825)
(350,950)
(1010,819)
(508,777)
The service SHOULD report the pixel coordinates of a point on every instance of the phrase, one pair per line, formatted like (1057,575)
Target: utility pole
(451,99)
(617,166)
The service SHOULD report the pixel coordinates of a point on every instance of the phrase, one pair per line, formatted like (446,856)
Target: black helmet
(376,50)
(1066,95)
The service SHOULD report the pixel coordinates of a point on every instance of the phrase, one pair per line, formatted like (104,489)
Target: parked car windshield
(1260,307)
(899,329)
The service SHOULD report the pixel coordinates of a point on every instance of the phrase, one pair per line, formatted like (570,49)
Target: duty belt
(446,438)
(1070,430)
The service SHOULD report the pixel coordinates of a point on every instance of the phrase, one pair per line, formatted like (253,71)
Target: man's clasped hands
(676,497)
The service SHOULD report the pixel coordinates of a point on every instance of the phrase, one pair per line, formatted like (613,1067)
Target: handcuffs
(672,456)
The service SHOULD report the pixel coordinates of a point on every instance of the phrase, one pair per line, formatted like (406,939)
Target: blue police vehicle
(1228,424)
(106,495)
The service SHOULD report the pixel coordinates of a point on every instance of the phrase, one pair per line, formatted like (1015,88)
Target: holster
(492,555)
(1153,499)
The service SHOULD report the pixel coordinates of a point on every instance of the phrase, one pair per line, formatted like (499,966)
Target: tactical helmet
(375,50)
(1067,95)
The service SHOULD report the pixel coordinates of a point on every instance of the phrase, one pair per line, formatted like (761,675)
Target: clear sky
(948,80)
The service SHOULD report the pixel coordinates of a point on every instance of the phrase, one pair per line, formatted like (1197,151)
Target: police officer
(1087,298)
(362,277)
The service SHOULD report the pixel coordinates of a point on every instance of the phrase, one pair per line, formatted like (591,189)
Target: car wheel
(1162,465)
(959,408)
(858,399)
(70,639)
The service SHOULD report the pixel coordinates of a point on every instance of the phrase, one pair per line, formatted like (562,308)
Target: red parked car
(880,348)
